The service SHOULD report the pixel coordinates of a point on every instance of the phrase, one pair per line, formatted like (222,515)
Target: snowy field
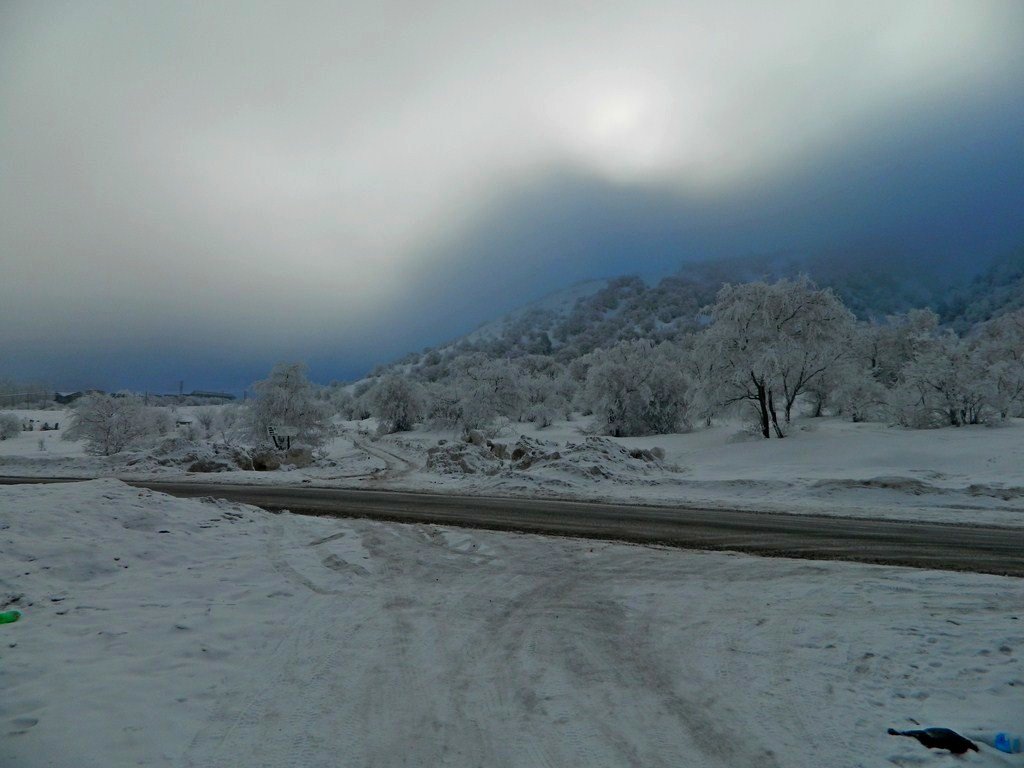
(826,466)
(167,632)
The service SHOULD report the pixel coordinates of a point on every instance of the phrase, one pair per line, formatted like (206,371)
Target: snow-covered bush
(287,398)
(487,389)
(442,407)
(885,349)
(230,424)
(397,403)
(637,388)
(859,397)
(946,384)
(10,426)
(160,422)
(343,403)
(1000,346)
(109,424)
(547,390)
(207,417)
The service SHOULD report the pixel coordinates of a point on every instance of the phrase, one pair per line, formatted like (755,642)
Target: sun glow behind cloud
(628,128)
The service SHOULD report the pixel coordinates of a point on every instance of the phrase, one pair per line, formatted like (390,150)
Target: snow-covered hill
(996,291)
(553,307)
(600,313)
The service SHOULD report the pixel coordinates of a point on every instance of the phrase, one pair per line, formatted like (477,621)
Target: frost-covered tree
(947,383)
(206,418)
(229,423)
(342,402)
(637,388)
(859,396)
(851,387)
(288,398)
(1000,346)
(886,348)
(442,405)
(547,390)
(109,424)
(767,344)
(397,403)
(10,426)
(487,389)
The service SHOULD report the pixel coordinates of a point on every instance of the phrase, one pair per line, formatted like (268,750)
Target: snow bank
(972,475)
(168,632)
(546,463)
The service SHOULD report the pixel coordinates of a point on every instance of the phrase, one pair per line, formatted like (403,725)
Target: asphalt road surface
(984,549)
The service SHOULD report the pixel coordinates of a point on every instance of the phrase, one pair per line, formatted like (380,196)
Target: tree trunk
(762,406)
(775,417)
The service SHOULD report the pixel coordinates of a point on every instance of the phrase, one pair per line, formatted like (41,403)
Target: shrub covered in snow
(397,403)
(10,426)
(946,383)
(488,389)
(636,388)
(108,424)
(287,398)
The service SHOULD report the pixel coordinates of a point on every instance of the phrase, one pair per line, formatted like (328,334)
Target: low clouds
(280,177)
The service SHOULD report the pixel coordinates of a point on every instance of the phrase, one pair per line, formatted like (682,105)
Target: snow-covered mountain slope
(600,313)
(996,291)
(553,307)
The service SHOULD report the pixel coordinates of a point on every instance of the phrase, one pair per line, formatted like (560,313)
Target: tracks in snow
(396,466)
(412,645)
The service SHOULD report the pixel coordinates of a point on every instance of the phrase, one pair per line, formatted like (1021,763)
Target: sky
(194,191)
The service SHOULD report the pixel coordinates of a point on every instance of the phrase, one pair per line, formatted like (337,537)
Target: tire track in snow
(397,466)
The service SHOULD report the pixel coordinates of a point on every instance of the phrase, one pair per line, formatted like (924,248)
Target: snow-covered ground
(826,466)
(168,632)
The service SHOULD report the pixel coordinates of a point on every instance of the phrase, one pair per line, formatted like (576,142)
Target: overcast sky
(195,190)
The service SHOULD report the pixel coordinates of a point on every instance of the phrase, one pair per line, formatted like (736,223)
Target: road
(983,549)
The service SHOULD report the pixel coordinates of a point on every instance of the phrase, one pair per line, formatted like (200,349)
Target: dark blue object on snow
(1008,743)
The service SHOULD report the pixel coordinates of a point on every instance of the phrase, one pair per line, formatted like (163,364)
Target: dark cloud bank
(203,221)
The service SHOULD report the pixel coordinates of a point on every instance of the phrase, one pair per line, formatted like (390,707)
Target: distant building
(210,395)
(66,398)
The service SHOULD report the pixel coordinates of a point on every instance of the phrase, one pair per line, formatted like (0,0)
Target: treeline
(763,351)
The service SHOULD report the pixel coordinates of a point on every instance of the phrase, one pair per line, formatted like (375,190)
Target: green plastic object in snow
(9,617)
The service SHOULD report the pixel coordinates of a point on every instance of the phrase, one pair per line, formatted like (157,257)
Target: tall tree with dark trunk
(771,342)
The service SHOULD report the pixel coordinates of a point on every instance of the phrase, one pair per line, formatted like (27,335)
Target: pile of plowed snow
(595,458)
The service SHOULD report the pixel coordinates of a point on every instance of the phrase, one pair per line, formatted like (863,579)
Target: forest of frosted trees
(634,359)
(764,352)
